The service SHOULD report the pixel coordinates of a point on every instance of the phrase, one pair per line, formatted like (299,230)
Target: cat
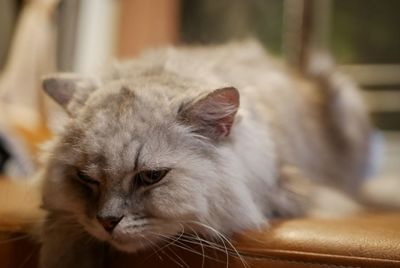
(210,139)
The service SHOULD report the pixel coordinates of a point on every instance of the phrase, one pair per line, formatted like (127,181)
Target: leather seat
(365,240)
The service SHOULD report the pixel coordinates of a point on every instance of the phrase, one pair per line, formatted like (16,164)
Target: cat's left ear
(213,115)
(69,90)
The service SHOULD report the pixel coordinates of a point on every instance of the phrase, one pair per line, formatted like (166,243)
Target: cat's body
(177,110)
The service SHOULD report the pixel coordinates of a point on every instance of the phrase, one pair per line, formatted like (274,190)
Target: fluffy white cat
(211,139)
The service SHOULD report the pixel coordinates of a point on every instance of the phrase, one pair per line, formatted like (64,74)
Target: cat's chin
(131,246)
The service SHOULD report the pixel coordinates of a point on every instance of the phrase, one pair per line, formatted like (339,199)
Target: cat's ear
(66,88)
(213,115)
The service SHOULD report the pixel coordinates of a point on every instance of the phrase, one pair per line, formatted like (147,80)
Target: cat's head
(141,161)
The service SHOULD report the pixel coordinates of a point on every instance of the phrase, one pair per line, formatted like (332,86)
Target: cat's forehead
(125,107)
(115,124)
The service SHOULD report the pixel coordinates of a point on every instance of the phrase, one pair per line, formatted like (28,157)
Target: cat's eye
(149,177)
(85,178)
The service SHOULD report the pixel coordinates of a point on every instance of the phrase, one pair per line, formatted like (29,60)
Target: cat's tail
(347,116)
(351,121)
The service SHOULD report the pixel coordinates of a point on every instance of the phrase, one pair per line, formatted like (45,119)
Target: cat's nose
(109,222)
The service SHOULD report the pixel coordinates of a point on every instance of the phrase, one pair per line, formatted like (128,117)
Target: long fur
(315,126)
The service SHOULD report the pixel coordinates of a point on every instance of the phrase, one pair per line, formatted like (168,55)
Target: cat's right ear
(213,115)
(68,90)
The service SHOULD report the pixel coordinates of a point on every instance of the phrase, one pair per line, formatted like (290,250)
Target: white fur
(226,184)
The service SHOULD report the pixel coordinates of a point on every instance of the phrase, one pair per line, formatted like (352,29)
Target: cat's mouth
(135,235)
(133,239)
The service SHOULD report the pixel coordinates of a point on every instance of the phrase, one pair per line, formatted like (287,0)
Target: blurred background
(362,35)
(38,37)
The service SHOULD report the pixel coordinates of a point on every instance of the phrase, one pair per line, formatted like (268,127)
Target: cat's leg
(292,198)
(65,244)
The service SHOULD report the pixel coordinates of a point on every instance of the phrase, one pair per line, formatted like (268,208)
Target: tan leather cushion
(368,240)
(19,206)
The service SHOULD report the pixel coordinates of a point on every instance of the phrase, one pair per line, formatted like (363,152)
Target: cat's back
(318,122)
(212,63)
(299,112)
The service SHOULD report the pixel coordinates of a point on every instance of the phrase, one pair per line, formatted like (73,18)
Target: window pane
(366,31)
(210,21)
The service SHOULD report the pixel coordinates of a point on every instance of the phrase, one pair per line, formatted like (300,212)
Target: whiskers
(193,243)
(190,239)
(223,239)
(14,238)
(20,229)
